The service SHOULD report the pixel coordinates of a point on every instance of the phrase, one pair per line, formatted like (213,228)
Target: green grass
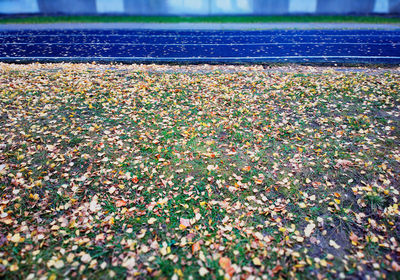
(109,172)
(195,19)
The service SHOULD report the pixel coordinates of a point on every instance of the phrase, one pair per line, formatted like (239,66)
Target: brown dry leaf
(343,163)
(6,221)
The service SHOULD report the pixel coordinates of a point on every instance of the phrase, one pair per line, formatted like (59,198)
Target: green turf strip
(212,19)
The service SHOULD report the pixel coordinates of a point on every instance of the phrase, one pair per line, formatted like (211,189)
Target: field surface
(177,172)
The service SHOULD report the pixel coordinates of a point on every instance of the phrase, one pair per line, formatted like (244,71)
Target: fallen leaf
(203,271)
(343,163)
(334,244)
(86,258)
(120,203)
(309,229)
(246,168)
(129,263)
(59,264)
(16,238)
(111,190)
(302,205)
(184,223)
(226,265)
(276,269)
(94,206)
(395,266)
(257,261)
(195,247)
(353,238)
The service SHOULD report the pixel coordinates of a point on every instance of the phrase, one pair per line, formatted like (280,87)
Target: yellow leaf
(257,261)
(302,205)
(16,238)
(14,267)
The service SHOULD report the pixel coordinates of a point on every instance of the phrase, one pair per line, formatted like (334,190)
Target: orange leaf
(195,247)
(246,168)
(276,269)
(120,203)
(226,265)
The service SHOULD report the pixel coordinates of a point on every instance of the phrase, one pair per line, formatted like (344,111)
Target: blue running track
(208,46)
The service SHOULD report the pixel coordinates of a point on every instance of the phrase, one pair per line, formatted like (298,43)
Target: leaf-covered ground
(117,171)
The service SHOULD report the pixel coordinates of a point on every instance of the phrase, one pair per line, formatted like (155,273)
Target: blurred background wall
(200,7)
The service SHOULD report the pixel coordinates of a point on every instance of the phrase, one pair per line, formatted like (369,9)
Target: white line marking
(199,44)
(201,36)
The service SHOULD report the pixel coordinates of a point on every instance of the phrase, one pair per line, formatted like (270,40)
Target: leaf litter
(150,172)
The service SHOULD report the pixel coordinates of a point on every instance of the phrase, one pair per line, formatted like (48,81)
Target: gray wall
(345,6)
(67,6)
(272,7)
(146,7)
(394,6)
(200,7)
